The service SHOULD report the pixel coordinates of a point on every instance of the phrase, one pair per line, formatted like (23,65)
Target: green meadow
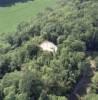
(11,16)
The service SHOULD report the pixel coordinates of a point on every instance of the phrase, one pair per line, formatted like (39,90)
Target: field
(10,17)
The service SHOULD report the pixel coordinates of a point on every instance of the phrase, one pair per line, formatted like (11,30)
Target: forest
(27,72)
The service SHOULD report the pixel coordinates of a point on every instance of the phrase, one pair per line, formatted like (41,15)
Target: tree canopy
(29,73)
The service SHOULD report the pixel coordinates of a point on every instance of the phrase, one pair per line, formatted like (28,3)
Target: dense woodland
(28,73)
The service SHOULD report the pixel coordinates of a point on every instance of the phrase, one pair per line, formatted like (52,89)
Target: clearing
(11,16)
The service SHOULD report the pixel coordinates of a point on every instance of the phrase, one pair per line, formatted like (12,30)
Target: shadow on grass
(6,3)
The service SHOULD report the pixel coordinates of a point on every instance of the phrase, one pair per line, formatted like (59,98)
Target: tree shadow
(83,84)
(7,3)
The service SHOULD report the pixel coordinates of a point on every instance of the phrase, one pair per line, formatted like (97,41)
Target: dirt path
(83,84)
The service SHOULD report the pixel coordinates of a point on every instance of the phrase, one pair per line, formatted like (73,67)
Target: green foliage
(52,97)
(22,96)
(91,97)
(29,73)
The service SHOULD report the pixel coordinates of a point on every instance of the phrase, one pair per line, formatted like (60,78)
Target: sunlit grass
(10,17)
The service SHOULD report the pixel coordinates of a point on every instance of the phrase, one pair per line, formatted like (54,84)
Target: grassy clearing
(10,17)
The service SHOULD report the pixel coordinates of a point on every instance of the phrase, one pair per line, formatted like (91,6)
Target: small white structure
(48,46)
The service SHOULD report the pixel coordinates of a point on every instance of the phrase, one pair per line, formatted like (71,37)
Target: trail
(83,84)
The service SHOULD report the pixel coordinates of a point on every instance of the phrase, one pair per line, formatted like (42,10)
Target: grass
(10,17)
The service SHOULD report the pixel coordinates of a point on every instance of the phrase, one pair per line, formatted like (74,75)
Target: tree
(32,50)
(30,85)
(22,96)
